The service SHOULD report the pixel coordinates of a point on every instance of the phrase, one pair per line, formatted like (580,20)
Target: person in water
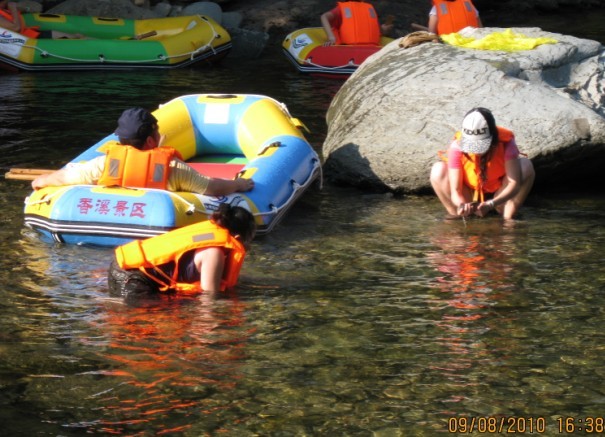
(483,170)
(203,257)
(139,137)
(360,25)
(449,16)
(11,19)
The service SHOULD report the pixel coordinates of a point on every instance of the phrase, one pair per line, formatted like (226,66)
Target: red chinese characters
(117,208)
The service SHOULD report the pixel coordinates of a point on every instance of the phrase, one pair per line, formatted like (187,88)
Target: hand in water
(466,209)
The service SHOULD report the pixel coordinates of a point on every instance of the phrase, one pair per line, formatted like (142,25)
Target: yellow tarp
(505,41)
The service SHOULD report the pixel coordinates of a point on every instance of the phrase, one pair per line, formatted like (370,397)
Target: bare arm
(326,20)
(210,262)
(387,26)
(417,26)
(511,183)
(433,20)
(84,173)
(510,187)
(457,195)
(53,179)
(184,178)
(222,187)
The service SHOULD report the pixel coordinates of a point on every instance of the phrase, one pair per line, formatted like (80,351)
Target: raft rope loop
(351,63)
(47,199)
(103,60)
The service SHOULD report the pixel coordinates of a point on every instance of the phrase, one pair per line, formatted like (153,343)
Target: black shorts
(187,270)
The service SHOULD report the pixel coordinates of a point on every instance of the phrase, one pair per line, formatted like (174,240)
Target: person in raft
(449,16)
(139,137)
(483,171)
(11,19)
(203,257)
(353,22)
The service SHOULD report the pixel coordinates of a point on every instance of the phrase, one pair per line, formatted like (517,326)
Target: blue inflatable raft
(219,135)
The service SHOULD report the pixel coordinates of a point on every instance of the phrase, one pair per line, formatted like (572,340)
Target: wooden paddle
(145,35)
(419,27)
(25,174)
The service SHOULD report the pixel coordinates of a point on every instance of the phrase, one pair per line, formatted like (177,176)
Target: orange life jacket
(127,166)
(30,32)
(147,255)
(359,24)
(495,167)
(453,16)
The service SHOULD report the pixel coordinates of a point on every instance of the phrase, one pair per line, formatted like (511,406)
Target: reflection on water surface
(361,314)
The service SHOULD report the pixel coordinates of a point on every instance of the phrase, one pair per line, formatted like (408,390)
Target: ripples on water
(360,314)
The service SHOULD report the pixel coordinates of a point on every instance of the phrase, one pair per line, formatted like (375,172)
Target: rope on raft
(350,64)
(47,199)
(102,59)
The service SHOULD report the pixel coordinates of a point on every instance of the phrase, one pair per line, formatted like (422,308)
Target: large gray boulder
(392,116)
(209,9)
(103,8)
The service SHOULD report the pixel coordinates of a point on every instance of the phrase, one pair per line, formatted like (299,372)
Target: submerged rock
(389,120)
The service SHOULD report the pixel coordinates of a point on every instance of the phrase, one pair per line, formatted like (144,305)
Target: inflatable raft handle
(144,35)
(299,124)
(241,174)
(222,96)
(268,146)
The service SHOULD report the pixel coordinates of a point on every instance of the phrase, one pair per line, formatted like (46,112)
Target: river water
(360,314)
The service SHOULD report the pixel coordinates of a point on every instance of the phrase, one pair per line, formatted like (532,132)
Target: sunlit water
(361,314)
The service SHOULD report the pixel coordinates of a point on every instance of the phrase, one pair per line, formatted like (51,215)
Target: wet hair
(237,220)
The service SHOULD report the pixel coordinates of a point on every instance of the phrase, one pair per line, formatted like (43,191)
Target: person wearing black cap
(138,129)
(483,170)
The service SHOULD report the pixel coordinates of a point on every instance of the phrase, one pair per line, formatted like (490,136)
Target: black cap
(132,121)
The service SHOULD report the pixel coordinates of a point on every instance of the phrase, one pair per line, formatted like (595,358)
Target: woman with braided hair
(483,170)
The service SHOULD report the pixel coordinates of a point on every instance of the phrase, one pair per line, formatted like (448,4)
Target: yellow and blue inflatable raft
(114,43)
(250,136)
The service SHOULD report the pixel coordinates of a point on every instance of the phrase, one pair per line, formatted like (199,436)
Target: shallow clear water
(361,314)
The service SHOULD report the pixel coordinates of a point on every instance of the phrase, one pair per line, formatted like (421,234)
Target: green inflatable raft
(114,43)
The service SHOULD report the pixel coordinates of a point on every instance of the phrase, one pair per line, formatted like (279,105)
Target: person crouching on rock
(483,170)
